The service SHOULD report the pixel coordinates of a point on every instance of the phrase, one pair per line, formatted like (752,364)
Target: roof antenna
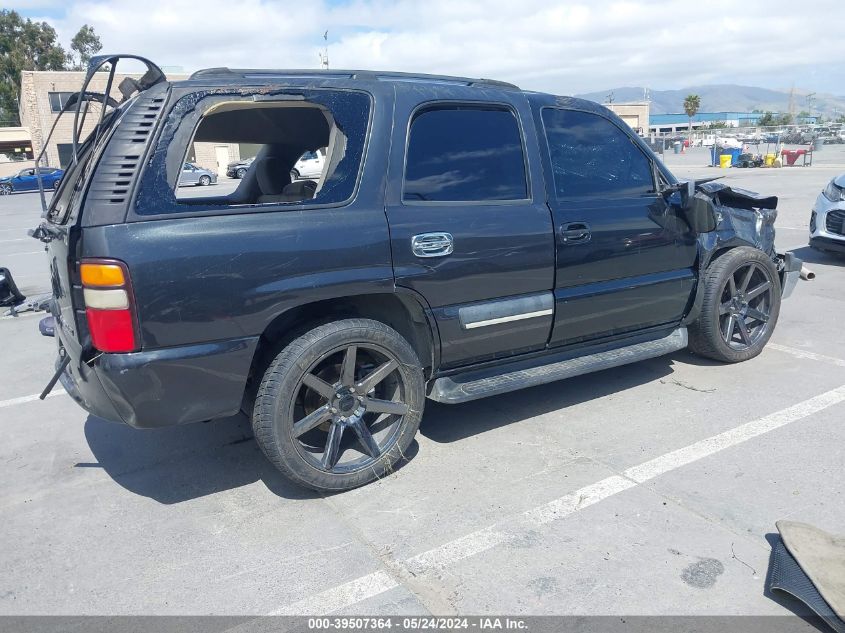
(324,56)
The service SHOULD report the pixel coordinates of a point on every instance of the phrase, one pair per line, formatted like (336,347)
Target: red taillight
(109,305)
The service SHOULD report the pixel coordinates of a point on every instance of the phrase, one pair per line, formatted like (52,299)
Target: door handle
(575,233)
(432,244)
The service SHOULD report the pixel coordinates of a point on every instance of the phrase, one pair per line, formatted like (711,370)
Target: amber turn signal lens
(101,275)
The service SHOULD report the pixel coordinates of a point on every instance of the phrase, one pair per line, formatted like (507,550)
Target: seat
(273,178)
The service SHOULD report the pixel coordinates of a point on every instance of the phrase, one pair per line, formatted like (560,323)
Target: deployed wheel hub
(346,404)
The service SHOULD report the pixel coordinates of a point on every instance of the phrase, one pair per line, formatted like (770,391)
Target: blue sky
(561,47)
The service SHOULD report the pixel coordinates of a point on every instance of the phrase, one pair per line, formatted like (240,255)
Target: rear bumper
(165,387)
(790,273)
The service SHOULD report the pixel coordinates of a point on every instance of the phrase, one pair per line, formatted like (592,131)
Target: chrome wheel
(745,306)
(348,408)
(5,190)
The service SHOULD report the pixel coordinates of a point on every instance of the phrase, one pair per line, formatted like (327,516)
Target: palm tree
(691,105)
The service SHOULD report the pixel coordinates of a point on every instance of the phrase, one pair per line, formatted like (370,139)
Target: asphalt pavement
(646,489)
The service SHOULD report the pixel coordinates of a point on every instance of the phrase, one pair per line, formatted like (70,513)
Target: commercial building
(635,114)
(679,122)
(15,150)
(44,93)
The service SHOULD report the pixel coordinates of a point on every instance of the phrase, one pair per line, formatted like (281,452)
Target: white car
(827,222)
(309,165)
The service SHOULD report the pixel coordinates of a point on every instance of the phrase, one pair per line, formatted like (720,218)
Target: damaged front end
(745,218)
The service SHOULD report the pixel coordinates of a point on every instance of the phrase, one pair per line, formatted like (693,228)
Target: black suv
(465,238)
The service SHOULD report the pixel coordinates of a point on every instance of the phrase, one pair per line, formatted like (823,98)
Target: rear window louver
(109,193)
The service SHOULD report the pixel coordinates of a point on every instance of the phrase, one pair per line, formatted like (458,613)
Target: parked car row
(310,165)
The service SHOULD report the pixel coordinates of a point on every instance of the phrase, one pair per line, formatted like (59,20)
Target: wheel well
(403,313)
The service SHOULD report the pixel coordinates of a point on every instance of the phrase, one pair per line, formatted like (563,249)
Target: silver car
(193,175)
(827,221)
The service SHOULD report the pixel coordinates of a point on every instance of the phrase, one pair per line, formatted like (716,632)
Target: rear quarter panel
(227,274)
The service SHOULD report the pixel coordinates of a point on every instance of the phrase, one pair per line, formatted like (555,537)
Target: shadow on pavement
(813,256)
(451,423)
(179,463)
(175,464)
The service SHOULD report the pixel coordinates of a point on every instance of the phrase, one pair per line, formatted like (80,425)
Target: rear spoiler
(127,87)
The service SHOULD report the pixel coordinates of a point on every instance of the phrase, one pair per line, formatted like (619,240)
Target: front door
(469,227)
(624,257)
(26,180)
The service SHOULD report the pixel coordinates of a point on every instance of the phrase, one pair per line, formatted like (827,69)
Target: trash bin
(725,161)
(714,156)
(677,147)
(734,153)
(817,144)
(770,159)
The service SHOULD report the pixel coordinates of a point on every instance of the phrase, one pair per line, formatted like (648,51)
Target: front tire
(240,173)
(294,175)
(5,189)
(741,305)
(339,406)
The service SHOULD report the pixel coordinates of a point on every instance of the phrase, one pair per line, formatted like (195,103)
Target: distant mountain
(724,98)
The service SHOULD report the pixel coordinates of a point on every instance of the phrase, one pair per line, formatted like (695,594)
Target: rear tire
(204,181)
(5,189)
(339,406)
(740,307)
(240,173)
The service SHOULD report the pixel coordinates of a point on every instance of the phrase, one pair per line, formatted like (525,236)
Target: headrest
(271,175)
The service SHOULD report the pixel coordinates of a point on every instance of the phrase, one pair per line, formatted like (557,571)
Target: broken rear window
(222,151)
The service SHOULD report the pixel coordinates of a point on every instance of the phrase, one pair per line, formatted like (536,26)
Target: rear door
(624,257)
(469,227)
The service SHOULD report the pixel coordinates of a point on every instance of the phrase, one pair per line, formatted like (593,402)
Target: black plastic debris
(47,326)
(10,296)
(786,574)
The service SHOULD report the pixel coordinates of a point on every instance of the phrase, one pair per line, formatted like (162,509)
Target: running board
(466,387)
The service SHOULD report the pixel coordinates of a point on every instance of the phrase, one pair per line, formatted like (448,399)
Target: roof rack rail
(363,75)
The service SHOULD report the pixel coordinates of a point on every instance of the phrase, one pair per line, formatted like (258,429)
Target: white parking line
(342,596)
(800,353)
(482,540)
(23,315)
(58,391)
(24,253)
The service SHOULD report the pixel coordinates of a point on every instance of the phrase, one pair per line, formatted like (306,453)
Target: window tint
(591,157)
(465,154)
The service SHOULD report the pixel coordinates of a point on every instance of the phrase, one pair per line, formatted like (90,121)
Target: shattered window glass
(247,151)
(591,157)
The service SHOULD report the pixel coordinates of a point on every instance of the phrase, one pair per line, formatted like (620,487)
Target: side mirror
(687,191)
(698,211)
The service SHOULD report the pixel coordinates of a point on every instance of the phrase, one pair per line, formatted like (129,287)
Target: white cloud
(562,47)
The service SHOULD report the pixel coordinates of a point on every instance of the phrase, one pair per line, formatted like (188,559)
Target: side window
(591,157)
(229,132)
(463,154)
